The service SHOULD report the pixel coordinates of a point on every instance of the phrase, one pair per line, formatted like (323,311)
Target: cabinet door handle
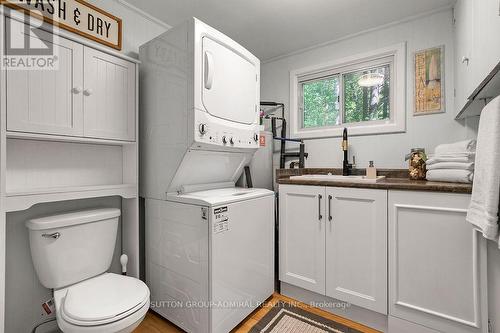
(465,60)
(329,208)
(88,92)
(77,90)
(320,217)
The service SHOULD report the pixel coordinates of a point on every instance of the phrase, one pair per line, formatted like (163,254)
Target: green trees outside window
(322,103)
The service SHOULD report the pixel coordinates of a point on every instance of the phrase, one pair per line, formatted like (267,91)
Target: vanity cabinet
(90,94)
(333,242)
(437,262)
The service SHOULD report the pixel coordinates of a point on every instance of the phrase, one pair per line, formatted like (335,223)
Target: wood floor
(156,324)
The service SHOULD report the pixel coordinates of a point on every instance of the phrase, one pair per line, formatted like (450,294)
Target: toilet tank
(71,247)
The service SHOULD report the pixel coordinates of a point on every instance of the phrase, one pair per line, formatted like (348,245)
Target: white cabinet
(109,96)
(464,60)
(90,93)
(486,41)
(477,46)
(47,101)
(333,241)
(302,236)
(356,247)
(437,262)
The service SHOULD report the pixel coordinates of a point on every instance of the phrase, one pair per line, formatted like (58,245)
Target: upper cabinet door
(230,83)
(486,41)
(356,247)
(47,101)
(109,96)
(302,236)
(464,60)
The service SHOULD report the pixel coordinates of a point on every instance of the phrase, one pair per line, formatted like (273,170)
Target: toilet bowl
(71,253)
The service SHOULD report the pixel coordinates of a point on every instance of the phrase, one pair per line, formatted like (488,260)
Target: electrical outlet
(48,309)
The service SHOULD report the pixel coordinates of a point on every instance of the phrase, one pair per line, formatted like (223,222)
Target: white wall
(138,27)
(387,150)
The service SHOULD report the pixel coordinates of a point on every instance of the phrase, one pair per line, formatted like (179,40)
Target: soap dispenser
(371,171)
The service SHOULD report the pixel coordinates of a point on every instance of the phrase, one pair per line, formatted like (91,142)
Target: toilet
(71,253)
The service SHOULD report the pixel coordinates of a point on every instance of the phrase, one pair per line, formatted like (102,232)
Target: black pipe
(283,144)
(302,155)
(248,177)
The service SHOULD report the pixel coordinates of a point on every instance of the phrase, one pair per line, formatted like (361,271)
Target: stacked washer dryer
(209,244)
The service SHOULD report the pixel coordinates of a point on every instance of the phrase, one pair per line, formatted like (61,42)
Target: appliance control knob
(224,140)
(255,137)
(231,141)
(203,128)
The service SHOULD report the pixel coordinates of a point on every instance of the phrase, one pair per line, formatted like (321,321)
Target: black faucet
(346,167)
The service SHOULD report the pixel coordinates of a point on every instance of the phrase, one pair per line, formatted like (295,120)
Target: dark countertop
(396,179)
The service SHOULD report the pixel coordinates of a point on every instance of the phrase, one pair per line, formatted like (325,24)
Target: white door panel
(47,101)
(229,83)
(109,97)
(302,236)
(437,262)
(356,247)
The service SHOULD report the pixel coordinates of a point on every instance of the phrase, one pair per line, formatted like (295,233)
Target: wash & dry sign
(76,16)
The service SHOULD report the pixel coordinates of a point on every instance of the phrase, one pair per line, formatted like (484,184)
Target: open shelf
(24,199)
(63,138)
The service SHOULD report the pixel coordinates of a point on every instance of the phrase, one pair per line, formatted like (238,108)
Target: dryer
(199,93)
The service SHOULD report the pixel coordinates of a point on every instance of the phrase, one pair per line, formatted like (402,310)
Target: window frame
(394,55)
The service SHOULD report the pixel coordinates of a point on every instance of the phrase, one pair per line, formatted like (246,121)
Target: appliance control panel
(224,133)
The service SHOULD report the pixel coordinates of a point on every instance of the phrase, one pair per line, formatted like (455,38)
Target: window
(360,93)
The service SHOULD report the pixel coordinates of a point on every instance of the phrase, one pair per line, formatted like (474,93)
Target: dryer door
(230,83)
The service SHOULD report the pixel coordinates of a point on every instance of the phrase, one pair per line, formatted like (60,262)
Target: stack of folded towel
(453,162)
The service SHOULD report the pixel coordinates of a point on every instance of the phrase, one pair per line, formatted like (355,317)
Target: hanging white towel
(457,147)
(483,210)
(450,175)
(451,165)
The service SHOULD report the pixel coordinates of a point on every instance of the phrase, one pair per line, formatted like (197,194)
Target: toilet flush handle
(55,235)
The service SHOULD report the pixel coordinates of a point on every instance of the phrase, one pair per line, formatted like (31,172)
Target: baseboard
(355,313)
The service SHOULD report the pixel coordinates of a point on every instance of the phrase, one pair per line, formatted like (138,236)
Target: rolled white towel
(459,158)
(451,165)
(450,175)
(461,146)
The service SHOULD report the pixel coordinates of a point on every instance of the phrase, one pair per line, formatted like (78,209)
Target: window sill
(354,130)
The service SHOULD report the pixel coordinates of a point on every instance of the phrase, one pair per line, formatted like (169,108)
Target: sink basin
(339,178)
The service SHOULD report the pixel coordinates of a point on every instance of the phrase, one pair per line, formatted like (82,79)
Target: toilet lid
(103,299)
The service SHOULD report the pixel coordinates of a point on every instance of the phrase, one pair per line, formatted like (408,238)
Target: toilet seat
(101,300)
